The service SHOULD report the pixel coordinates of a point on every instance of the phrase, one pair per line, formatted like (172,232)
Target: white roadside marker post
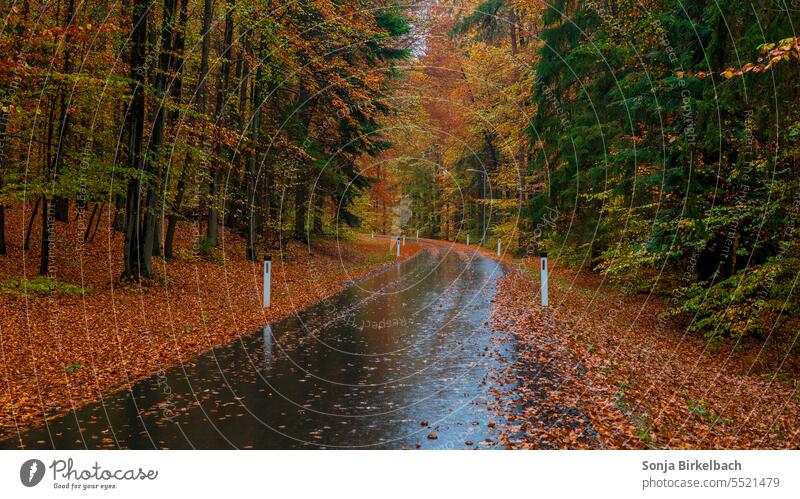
(398,247)
(498,246)
(467,239)
(417,235)
(543,274)
(267,280)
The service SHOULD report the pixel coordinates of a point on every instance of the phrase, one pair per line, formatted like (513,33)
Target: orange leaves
(784,51)
(600,363)
(692,74)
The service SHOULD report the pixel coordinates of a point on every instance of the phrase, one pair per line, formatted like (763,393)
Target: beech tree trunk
(61,203)
(44,254)
(27,244)
(300,204)
(3,123)
(176,91)
(252,174)
(136,265)
(222,90)
(155,208)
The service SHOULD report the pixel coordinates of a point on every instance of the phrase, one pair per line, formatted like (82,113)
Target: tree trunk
(27,244)
(202,90)
(300,203)
(158,225)
(61,203)
(176,91)
(119,213)
(319,207)
(222,90)
(155,208)
(44,254)
(97,223)
(3,250)
(512,22)
(202,94)
(178,47)
(266,203)
(89,224)
(447,220)
(238,211)
(213,214)
(252,179)
(172,221)
(135,262)
(3,128)
(149,232)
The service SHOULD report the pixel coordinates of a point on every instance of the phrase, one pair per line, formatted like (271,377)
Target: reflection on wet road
(401,359)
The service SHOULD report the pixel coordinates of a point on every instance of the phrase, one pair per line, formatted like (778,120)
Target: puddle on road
(401,356)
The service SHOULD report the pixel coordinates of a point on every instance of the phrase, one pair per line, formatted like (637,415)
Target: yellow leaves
(766,47)
(645,169)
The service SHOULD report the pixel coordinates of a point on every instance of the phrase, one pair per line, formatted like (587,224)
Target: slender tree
(136,265)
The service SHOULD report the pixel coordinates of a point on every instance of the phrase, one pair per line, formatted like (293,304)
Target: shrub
(747,303)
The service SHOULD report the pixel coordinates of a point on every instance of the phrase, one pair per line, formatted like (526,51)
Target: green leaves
(658,162)
(40,286)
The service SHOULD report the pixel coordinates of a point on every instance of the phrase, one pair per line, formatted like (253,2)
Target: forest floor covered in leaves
(68,342)
(600,368)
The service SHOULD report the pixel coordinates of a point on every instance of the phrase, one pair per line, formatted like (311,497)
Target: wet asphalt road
(399,358)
